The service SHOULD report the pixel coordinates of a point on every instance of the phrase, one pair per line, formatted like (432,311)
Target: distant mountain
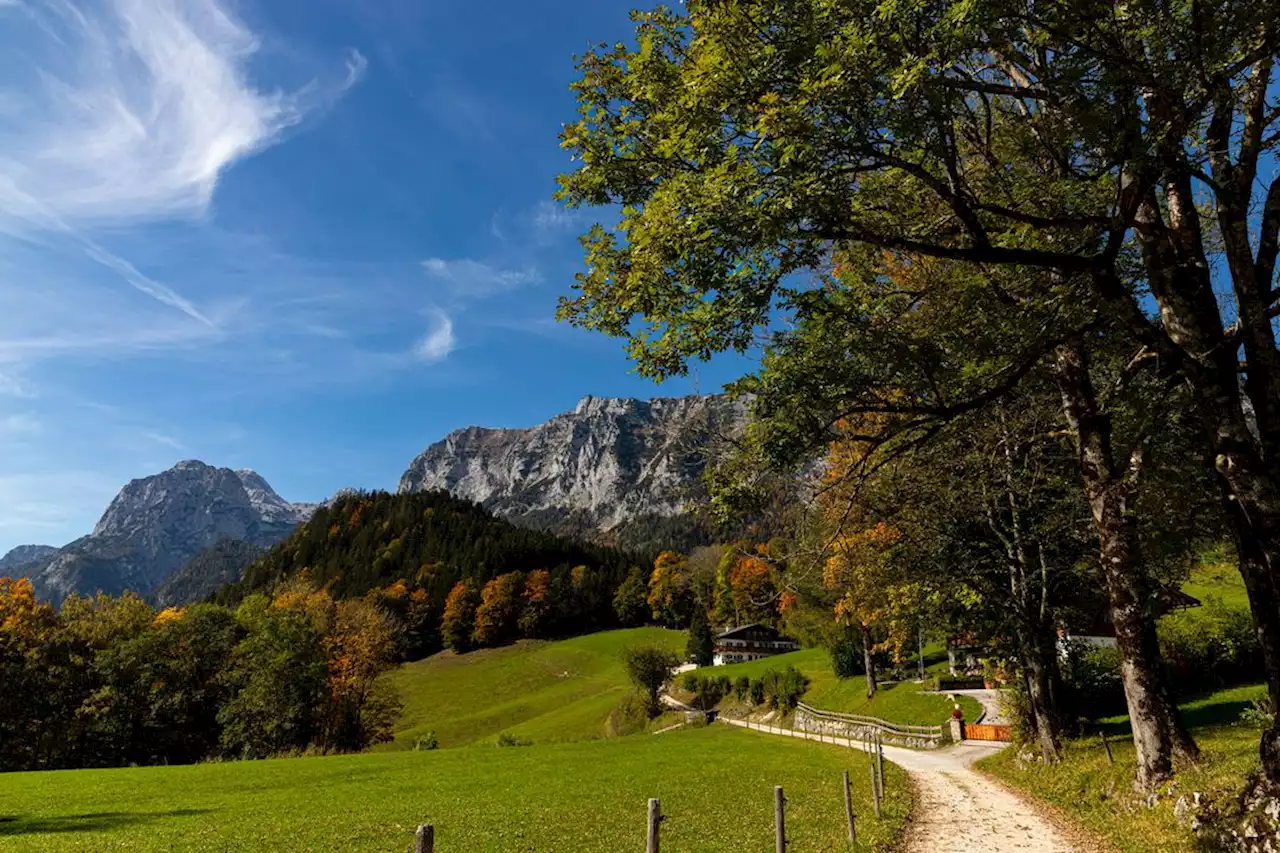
(221,563)
(158,523)
(24,555)
(618,469)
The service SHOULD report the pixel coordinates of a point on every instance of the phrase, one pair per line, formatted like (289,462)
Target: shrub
(631,715)
(1209,648)
(1260,714)
(741,687)
(783,688)
(846,656)
(427,741)
(1091,682)
(649,667)
(508,739)
(757,692)
(690,681)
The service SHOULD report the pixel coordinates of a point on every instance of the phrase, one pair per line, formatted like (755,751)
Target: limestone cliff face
(607,462)
(158,523)
(24,555)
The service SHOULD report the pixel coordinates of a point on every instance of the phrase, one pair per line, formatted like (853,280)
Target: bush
(1091,682)
(741,687)
(427,741)
(631,715)
(1210,648)
(707,690)
(846,656)
(649,667)
(508,739)
(757,692)
(783,688)
(1260,714)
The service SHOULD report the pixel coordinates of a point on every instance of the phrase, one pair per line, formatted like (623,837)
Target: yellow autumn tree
(874,596)
(670,597)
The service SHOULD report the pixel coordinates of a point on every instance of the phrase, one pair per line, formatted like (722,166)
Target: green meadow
(715,783)
(534,690)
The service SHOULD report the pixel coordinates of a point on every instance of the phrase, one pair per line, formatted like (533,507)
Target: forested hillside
(414,550)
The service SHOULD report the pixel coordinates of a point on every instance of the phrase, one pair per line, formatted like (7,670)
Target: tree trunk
(1158,733)
(867,661)
(1043,715)
(1253,511)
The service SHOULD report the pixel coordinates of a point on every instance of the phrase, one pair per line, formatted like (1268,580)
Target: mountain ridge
(156,524)
(606,464)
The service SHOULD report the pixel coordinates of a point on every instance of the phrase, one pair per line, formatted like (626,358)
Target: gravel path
(992,708)
(957,808)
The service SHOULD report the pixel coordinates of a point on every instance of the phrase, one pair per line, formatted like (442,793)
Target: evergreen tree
(700,649)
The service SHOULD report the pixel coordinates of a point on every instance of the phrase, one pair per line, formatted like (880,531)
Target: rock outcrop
(158,523)
(606,464)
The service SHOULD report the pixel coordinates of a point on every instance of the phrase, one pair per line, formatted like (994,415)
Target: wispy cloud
(550,220)
(466,278)
(123,111)
(20,424)
(12,385)
(438,341)
(161,438)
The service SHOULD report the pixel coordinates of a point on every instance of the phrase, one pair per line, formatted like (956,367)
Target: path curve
(957,808)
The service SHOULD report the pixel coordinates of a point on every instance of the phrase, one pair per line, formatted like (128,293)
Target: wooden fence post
(880,762)
(425,840)
(875,791)
(655,822)
(1110,758)
(779,819)
(848,808)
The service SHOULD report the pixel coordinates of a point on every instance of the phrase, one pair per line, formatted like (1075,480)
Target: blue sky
(304,237)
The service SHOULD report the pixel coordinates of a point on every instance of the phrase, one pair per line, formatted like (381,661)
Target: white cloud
(114,112)
(471,279)
(550,220)
(134,110)
(20,424)
(438,342)
(11,385)
(161,438)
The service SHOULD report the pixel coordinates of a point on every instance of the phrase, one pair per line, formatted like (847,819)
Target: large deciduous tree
(1058,140)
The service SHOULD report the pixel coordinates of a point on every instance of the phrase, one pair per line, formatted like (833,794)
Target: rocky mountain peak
(608,461)
(24,555)
(157,523)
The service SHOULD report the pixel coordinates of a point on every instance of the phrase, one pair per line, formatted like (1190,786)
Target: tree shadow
(91,822)
(1222,713)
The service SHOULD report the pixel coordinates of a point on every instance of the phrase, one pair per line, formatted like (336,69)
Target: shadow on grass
(95,821)
(1197,715)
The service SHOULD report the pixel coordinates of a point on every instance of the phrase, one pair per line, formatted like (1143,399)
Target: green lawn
(1216,576)
(1099,796)
(898,703)
(716,786)
(539,691)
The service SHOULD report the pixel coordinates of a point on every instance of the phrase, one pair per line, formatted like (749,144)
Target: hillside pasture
(541,691)
(716,786)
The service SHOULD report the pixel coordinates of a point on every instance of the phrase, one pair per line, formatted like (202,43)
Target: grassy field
(539,691)
(716,786)
(1216,577)
(1098,794)
(899,703)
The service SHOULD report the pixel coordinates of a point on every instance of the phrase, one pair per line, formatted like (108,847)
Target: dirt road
(957,808)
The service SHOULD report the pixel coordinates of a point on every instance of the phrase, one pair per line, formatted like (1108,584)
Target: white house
(750,642)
